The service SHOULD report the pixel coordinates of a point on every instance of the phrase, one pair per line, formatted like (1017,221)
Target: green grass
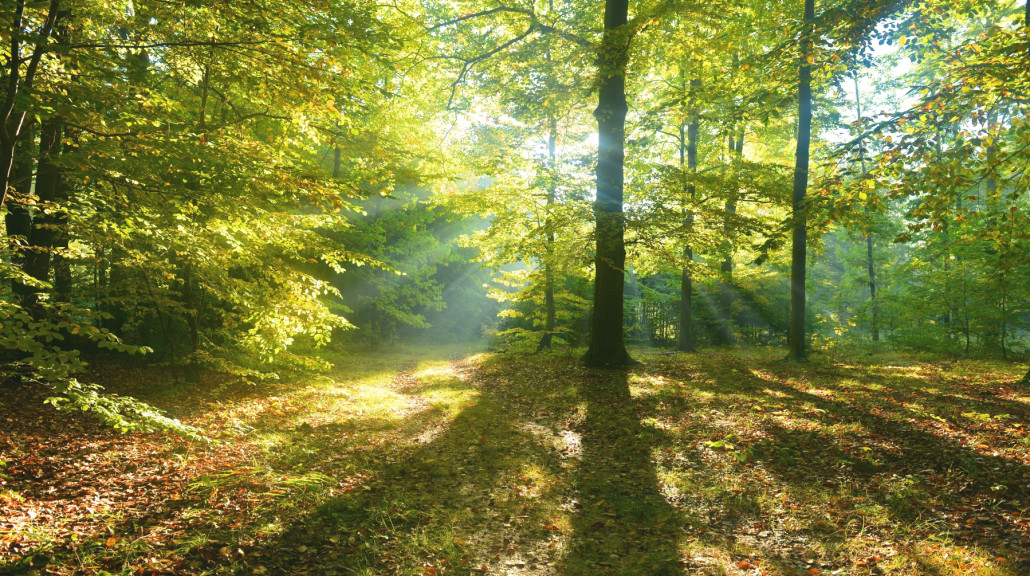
(433,461)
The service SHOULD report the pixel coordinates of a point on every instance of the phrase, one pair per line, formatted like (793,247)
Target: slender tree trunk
(688,147)
(799,250)
(874,320)
(1026,23)
(20,75)
(61,262)
(18,219)
(549,309)
(607,346)
(869,230)
(189,302)
(726,336)
(100,285)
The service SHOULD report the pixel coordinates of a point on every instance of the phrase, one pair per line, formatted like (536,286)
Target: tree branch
(468,63)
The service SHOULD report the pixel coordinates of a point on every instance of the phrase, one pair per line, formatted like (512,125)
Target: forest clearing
(432,461)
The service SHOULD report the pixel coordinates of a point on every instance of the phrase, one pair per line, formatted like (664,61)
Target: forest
(515,287)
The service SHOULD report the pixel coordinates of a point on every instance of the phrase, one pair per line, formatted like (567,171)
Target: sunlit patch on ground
(431,463)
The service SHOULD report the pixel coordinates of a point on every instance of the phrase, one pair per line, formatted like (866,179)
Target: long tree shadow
(473,493)
(828,449)
(624,525)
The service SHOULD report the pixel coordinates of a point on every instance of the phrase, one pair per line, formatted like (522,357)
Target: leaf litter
(427,462)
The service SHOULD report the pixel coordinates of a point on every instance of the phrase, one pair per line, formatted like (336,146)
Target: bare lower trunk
(192,308)
(799,249)
(607,346)
(51,190)
(869,232)
(18,220)
(725,335)
(872,287)
(549,308)
(688,159)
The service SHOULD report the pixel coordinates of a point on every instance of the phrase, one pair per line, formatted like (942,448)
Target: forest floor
(434,461)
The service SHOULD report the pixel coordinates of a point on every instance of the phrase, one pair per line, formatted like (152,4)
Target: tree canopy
(233,187)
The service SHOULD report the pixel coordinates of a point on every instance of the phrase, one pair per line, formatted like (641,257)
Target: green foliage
(123,413)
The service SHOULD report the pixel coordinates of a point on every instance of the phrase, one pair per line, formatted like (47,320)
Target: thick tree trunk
(1026,378)
(50,189)
(607,347)
(549,309)
(799,250)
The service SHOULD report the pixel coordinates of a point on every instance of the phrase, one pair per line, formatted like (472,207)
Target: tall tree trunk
(725,334)
(607,346)
(549,309)
(869,230)
(688,161)
(1026,22)
(875,312)
(61,262)
(20,75)
(192,309)
(18,219)
(100,284)
(49,189)
(799,249)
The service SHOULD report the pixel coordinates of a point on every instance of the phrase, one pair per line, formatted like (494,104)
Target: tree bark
(50,189)
(869,230)
(687,330)
(725,333)
(549,308)
(799,249)
(19,80)
(688,163)
(192,309)
(18,219)
(607,347)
